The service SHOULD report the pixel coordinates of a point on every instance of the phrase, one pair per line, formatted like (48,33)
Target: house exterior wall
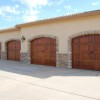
(60,30)
(4,38)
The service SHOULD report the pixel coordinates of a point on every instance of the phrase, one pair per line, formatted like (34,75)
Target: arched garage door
(43,51)
(13,50)
(86,52)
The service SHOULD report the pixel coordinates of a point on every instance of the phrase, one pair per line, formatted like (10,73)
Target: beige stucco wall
(62,29)
(7,36)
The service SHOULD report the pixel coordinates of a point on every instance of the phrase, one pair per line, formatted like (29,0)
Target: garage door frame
(88,45)
(5,55)
(41,36)
(74,35)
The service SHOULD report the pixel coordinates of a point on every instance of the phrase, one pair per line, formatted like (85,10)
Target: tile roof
(72,16)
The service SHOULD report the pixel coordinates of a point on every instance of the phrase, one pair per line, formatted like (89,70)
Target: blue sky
(14,12)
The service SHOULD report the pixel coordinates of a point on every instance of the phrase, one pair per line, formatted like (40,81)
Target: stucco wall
(62,29)
(7,36)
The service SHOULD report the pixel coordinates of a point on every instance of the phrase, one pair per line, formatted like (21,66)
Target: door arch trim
(14,39)
(40,36)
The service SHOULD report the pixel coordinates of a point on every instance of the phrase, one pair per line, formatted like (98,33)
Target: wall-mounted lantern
(22,38)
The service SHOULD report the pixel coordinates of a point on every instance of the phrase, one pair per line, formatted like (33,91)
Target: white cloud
(95,3)
(33,3)
(8,9)
(74,11)
(68,13)
(32,8)
(55,2)
(29,18)
(30,15)
(68,7)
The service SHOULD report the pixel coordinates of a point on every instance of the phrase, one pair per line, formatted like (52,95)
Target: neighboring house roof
(72,16)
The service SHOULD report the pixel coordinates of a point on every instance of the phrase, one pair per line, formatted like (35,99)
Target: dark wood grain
(13,50)
(86,52)
(43,51)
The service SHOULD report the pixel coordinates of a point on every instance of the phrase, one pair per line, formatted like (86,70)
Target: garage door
(86,52)
(13,50)
(0,50)
(43,51)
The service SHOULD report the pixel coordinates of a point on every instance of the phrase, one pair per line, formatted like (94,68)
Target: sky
(14,12)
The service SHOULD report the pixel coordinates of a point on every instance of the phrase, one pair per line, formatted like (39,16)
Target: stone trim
(62,60)
(3,55)
(70,43)
(39,36)
(6,45)
(23,57)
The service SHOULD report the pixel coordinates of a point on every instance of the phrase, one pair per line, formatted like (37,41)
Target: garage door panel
(97,65)
(97,56)
(37,54)
(11,55)
(75,41)
(97,38)
(45,50)
(76,56)
(39,47)
(13,50)
(17,56)
(84,56)
(86,52)
(97,47)
(84,47)
(49,55)
(75,46)
(49,62)
(52,55)
(76,64)
(36,60)
(17,47)
(50,48)
(86,65)
(83,39)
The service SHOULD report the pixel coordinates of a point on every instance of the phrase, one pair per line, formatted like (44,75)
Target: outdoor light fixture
(22,38)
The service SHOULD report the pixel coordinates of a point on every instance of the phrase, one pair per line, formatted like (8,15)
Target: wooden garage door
(13,50)
(0,50)
(86,52)
(43,51)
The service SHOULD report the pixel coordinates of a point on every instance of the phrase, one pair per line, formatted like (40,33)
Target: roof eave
(73,16)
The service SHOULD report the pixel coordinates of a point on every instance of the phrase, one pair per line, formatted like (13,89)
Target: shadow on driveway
(41,71)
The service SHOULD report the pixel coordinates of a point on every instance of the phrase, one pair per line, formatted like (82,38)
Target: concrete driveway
(32,82)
